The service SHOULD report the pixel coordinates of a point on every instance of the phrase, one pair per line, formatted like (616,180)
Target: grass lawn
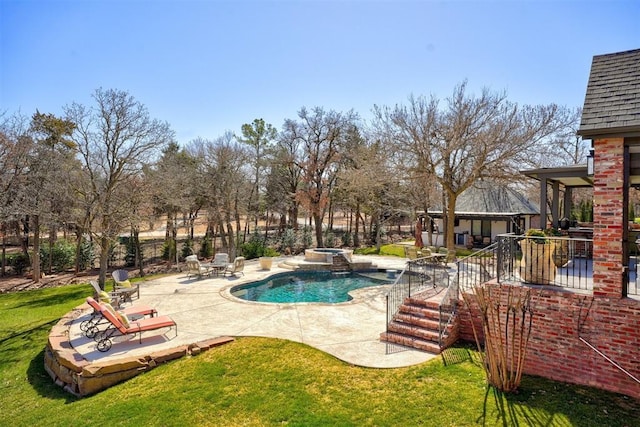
(260,381)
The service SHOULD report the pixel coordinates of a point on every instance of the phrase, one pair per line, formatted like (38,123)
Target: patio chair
(90,327)
(220,262)
(196,268)
(115,298)
(122,284)
(119,324)
(236,267)
(411,252)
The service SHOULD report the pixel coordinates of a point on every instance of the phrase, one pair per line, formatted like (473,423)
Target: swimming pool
(308,286)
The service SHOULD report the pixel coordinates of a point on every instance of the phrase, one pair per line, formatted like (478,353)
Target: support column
(608,217)
(567,203)
(555,205)
(543,203)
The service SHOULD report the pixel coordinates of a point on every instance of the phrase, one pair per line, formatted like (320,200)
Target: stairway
(340,264)
(416,325)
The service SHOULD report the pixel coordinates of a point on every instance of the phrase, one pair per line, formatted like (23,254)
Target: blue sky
(209,66)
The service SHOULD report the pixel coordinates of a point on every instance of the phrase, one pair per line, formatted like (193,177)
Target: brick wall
(555,350)
(608,204)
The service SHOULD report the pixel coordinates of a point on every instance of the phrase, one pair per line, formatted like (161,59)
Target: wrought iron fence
(549,260)
(418,278)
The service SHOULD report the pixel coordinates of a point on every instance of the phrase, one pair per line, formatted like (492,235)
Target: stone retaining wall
(81,377)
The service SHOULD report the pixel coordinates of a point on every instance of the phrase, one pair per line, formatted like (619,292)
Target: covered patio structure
(564,178)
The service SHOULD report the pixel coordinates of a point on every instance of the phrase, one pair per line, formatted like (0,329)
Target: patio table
(215,268)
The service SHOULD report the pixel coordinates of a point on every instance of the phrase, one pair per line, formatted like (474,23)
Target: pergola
(567,177)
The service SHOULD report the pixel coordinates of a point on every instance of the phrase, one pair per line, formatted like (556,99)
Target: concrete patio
(204,309)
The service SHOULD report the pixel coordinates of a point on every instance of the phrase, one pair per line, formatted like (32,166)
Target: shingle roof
(612,101)
(491,198)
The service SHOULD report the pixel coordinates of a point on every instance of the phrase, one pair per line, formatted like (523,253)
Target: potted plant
(266,260)
(537,264)
(561,251)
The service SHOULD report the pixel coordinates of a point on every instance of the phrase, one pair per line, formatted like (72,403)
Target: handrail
(403,287)
(419,275)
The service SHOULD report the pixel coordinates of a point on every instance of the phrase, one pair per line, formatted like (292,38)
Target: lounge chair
(120,324)
(122,284)
(196,268)
(236,267)
(90,327)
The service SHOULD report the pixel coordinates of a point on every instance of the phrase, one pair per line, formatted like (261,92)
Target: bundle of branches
(507,316)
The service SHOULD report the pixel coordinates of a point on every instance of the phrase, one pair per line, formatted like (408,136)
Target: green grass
(260,381)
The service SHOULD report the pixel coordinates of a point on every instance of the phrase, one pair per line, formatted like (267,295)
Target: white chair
(195,268)
(220,262)
(236,267)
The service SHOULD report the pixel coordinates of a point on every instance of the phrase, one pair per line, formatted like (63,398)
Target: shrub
(288,240)
(257,247)
(187,248)
(254,248)
(536,236)
(269,251)
(130,256)
(87,254)
(63,255)
(206,249)
(307,237)
(169,250)
(346,239)
(19,262)
(330,240)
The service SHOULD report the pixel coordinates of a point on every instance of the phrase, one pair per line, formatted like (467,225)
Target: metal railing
(419,277)
(557,261)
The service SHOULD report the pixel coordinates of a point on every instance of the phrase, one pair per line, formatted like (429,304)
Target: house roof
(491,199)
(612,101)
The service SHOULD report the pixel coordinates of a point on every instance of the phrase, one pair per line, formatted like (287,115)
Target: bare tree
(49,185)
(15,148)
(320,135)
(472,138)
(283,182)
(369,185)
(114,139)
(227,187)
(175,185)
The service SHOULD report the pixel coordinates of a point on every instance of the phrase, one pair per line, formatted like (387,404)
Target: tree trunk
(53,234)
(356,230)
(3,267)
(36,249)
(450,220)
(25,235)
(78,248)
(104,260)
(317,220)
(138,248)
(378,232)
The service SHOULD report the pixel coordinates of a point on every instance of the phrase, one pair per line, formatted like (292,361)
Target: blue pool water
(307,287)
